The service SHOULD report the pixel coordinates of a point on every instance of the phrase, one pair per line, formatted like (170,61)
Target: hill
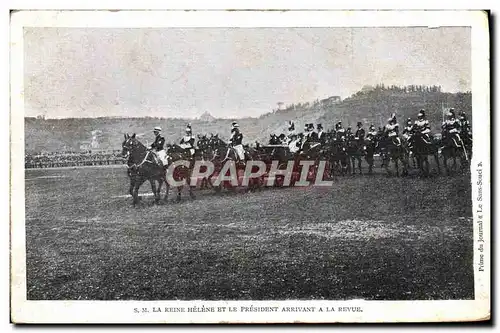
(370,105)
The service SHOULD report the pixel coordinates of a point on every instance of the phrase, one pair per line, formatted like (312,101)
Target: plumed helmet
(157,129)
(235,124)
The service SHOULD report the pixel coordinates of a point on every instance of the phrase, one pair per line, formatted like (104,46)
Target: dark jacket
(158,143)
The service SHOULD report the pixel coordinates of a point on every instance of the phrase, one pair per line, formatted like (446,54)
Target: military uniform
(320,136)
(187,142)
(451,129)
(408,130)
(236,141)
(392,130)
(158,144)
(158,148)
(340,131)
(360,134)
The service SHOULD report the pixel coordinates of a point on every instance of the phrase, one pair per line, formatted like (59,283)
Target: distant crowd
(72,159)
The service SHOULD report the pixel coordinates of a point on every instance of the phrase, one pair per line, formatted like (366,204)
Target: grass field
(370,237)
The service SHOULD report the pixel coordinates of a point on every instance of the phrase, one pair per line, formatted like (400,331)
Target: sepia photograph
(224,172)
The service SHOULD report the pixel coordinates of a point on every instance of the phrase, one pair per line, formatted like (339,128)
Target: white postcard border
(26,311)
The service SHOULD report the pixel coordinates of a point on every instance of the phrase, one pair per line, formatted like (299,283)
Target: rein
(135,165)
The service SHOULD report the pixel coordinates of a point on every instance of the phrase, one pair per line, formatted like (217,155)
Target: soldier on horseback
(372,131)
(464,126)
(306,137)
(187,142)
(408,130)
(348,134)
(157,147)
(360,133)
(236,142)
(339,130)
(422,126)
(392,130)
(291,130)
(320,135)
(451,128)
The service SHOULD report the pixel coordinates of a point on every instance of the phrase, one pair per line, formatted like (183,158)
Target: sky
(228,72)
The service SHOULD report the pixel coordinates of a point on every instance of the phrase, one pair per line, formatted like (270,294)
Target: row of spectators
(68,159)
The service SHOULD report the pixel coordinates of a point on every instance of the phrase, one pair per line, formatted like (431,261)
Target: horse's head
(131,146)
(128,144)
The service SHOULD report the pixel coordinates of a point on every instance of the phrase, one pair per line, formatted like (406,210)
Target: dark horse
(355,150)
(422,147)
(142,166)
(392,150)
(182,172)
(369,152)
(454,148)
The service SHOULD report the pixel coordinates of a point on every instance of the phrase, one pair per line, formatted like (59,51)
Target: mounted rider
(158,148)
(373,131)
(408,129)
(236,142)
(307,135)
(392,130)
(465,129)
(340,131)
(291,131)
(451,129)
(187,142)
(423,126)
(348,134)
(283,140)
(320,135)
(360,133)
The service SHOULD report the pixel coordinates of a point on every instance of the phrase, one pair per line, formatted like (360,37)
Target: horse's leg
(427,168)
(167,188)
(386,161)
(191,193)
(446,165)
(131,188)
(436,159)
(369,160)
(153,188)
(454,168)
(135,195)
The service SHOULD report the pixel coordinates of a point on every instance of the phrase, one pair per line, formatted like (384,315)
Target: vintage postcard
(250,166)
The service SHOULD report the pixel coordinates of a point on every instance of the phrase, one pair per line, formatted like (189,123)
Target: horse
(142,166)
(369,152)
(393,150)
(421,147)
(335,152)
(452,147)
(181,172)
(203,146)
(355,151)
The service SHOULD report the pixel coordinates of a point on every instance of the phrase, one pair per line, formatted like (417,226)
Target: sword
(463,147)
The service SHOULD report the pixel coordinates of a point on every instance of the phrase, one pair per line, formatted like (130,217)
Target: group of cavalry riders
(187,143)
(453,130)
